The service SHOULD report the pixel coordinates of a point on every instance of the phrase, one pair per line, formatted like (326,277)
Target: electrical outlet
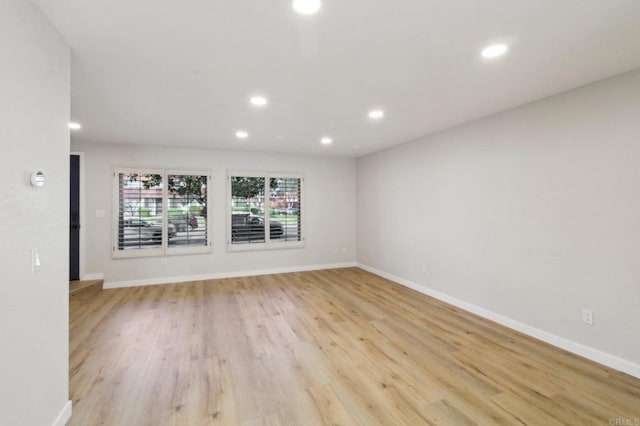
(587,316)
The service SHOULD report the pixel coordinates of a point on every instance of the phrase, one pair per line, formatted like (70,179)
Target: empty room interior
(320,212)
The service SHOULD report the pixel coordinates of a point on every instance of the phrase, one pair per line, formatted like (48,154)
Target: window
(160,212)
(265,211)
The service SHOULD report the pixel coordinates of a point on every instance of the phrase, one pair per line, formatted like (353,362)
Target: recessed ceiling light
(75,126)
(258,100)
(376,114)
(495,50)
(241,134)
(326,141)
(306,7)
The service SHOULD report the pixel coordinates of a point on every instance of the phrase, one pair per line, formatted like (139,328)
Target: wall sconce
(37,179)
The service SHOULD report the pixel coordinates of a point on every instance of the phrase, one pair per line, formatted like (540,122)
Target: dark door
(74,219)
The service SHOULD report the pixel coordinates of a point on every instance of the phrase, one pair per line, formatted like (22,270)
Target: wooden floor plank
(341,347)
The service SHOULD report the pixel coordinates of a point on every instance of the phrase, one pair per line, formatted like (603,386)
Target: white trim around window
(149,219)
(266,212)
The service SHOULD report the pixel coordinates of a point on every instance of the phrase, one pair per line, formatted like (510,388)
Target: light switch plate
(35,260)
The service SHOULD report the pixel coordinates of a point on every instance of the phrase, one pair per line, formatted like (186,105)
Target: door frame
(83,216)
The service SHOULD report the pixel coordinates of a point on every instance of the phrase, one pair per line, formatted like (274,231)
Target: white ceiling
(180,72)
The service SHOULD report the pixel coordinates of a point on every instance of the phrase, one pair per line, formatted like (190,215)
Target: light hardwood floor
(76,286)
(320,348)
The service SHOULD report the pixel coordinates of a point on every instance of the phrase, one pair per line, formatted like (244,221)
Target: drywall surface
(532,214)
(328,204)
(34,136)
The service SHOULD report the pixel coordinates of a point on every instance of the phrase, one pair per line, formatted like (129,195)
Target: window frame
(164,249)
(267,244)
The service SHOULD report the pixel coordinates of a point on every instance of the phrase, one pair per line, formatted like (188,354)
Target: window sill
(264,246)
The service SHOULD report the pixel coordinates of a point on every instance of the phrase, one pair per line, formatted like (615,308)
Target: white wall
(533,214)
(328,202)
(34,135)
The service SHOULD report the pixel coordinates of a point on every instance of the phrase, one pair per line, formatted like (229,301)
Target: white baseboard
(89,277)
(64,416)
(214,276)
(592,354)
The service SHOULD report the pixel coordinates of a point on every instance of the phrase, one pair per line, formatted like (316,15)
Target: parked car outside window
(248,227)
(136,230)
(183,222)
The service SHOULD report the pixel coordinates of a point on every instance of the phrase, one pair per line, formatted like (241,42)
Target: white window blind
(187,213)
(284,209)
(159,212)
(265,211)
